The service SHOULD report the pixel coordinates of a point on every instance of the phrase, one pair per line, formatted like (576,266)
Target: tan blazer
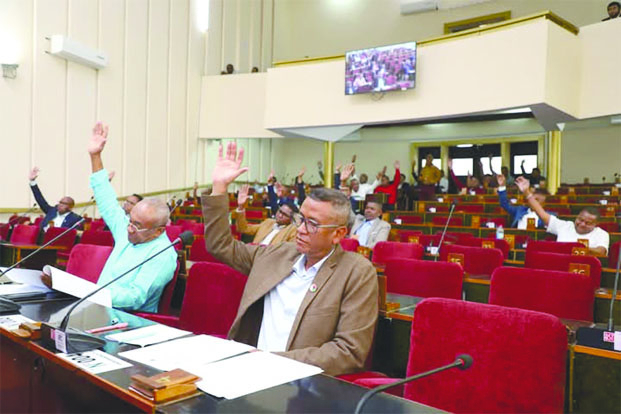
(334,326)
(379,231)
(261,231)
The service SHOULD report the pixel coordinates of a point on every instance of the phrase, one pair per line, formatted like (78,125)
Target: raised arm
(36,192)
(456,180)
(218,239)
(240,214)
(299,184)
(502,195)
(524,186)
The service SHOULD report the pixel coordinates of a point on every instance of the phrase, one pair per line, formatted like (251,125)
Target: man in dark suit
(60,214)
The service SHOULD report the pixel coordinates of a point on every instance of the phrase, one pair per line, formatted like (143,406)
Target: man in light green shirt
(136,238)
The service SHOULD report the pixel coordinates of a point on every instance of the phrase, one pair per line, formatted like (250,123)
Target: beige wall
(149,95)
(312,28)
(593,153)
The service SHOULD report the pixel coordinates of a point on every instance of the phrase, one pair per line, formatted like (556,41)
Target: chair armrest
(172,321)
(376,382)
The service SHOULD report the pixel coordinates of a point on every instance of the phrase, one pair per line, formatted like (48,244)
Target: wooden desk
(11,253)
(34,379)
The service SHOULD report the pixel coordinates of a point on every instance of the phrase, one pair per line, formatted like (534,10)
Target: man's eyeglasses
(281,211)
(136,228)
(311,225)
(128,201)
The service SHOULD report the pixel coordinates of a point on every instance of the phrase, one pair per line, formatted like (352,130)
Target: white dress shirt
(566,232)
(281,304)
(363,231)
(275,230)
(523,223)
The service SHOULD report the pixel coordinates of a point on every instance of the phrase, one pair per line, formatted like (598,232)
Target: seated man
(370,228)
(584,227)
(270,231)
(130,202)
(60,215)
(309,301)
(134,240)
(388,187)
(520,214)
(534,177)
(473,184)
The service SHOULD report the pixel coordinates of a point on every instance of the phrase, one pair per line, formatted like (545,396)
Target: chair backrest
(88,260)
(25,234)
(212,296)
(199,253)
(478,242)
(404,235)
(613,254)
(386,250)
(66,242)
(197,229)
(441,221)
(561,262)
(478,261)
(98,237)
(609,226)
(173,232)
(424,278)
(350,245)
(526,348)
(551,246)
(97,224)
(4,231)
(410,219)
(563,294)
(163,308)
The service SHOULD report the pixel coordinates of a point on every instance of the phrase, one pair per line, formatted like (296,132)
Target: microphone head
(179,202)
(454,202)
(466,361)
(187,238)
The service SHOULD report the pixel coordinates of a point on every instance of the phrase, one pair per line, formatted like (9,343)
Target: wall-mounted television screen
(380,69)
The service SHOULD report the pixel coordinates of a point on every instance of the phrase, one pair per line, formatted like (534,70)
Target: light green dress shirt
(142,288)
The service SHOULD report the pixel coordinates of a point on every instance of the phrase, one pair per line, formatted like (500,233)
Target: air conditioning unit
(63,47)
(418,6)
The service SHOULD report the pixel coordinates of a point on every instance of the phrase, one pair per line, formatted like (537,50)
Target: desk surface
(320,393)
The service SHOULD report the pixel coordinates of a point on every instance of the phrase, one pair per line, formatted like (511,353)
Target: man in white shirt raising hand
(584,227)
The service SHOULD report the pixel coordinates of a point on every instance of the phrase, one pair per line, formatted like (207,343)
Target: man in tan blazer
(270,231)
(308,300)
(370,228)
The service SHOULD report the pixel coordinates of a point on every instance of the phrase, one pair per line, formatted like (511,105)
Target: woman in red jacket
(390,188)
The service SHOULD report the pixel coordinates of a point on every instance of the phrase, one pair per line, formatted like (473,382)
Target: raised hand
(227,168)
(397,165)
(302,171)
(242,196)
(449,163)
(502,181)
(353,159)
(523,184)
(347,172)
(99,139)
(338,167)
(278,189)
(34,173)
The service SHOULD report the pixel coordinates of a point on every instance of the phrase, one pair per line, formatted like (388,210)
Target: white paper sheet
(95,362)
(26,277)
(186,353)
(248,373)
(14,288)
(11,322)
(148,335)
(78,287)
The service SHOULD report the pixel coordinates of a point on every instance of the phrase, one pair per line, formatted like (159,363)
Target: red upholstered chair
(255,214)
(441,221)
(212,296)
(424,278)
(97,224)
(478,242)
(410,219)
(65,242)
(197,229)
(498,221)
(470,208)
(199,253)
(386,250)
(613,254)
(163,308)
(4,231)
(38,221)
(526,348)
(456,236)
(350,245)
(24,234)
(562,294)
(551,246)
(609,226)
(98,237)
(478,261)
(561,262)
(173,232)
(186,224)
(404,235)
(88,260)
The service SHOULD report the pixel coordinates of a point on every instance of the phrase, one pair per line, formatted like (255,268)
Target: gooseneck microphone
(463,361)
(448,220)
(79,342)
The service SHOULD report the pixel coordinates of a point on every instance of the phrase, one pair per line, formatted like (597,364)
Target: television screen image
(379,69)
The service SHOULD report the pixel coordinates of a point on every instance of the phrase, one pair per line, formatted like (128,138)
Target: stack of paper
(148,335)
